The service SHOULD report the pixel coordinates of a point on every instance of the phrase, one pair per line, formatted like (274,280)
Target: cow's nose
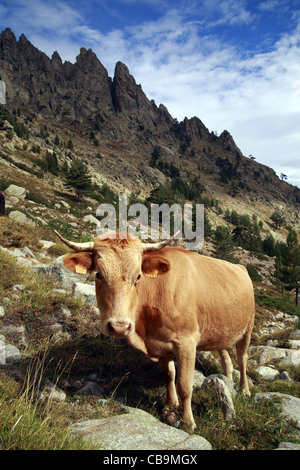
(119,328)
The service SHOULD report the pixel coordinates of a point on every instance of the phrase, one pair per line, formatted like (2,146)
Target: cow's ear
(153,266)
(80,263)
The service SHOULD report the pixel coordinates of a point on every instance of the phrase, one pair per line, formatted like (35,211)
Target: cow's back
(207,298)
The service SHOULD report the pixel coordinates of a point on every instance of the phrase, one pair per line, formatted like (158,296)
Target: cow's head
(119,264)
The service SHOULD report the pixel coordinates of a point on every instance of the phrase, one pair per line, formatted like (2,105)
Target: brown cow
(170,302)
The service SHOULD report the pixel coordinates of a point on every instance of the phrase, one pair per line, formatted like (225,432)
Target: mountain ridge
(116,130)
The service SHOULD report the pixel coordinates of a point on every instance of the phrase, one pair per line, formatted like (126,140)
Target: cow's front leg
(171,404)
(186,355)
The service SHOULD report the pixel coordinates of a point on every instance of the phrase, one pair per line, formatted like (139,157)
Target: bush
(253,273)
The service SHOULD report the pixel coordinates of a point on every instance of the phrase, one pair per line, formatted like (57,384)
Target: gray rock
(293,343)
(27,252)
(16,191)
(288,446)
(229,383)
(86,291)
(224,393)
(21,218)
(290,405)
(2,350)
(17,332)
(46,244)
(19,287)
(91,388)
(137,430)
(52,392)
(268,353)
(295,334)
(198,379)
(90,219)
(12,354)
(292,358)
(267,373)
(2,312)
(285,376)
(57,269)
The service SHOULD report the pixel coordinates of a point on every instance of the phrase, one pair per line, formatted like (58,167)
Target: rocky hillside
(77,110)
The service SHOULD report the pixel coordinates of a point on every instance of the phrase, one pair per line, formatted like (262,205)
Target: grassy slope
(125,372)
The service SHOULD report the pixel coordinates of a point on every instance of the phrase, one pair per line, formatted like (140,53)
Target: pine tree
(288,267)
(78,178)
(224,245)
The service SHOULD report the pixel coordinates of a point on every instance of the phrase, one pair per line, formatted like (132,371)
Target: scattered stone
(46,244)
(60,291)
(16,191)
(285,376)
(62,312)
(91,388)
(52,392)
(2,312)
(224,393)
(288,446)
(27,252)
(268,373)
(137,430)
(19,287)
(290,405)
(41,221)
(295,334)
(229,383)
(90,219)
(58,270)
(15,332)
(198,380)
(268,353)
(12,354)
(293,343)
(2,351)
(86,291)
(21,218)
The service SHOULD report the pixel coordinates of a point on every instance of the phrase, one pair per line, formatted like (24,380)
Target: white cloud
(42,15)
(269,5)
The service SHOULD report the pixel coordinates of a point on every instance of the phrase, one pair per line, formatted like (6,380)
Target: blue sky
(233,63)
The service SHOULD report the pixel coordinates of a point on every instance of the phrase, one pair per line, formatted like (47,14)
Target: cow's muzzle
(119,328)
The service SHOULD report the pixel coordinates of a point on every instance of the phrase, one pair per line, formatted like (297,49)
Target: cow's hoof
(170,416)
(187,427)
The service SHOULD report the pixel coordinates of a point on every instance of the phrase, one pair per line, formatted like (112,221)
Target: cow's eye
(137,279)
(99,276)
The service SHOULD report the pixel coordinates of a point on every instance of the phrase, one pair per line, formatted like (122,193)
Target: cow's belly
(214,341)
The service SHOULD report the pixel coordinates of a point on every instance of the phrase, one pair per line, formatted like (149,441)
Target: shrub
(253,273)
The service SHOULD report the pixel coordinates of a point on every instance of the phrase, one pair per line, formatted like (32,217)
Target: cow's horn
(87,246)
(159,245)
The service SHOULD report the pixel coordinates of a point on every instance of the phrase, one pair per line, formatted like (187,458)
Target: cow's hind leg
(171,404)
(241,351)
(226,363)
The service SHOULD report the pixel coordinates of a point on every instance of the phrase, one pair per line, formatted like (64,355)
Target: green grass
(274,301)
(25,424)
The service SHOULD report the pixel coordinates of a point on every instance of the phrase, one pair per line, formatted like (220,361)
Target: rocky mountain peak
(56,61)
(117,112)
(88,62)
